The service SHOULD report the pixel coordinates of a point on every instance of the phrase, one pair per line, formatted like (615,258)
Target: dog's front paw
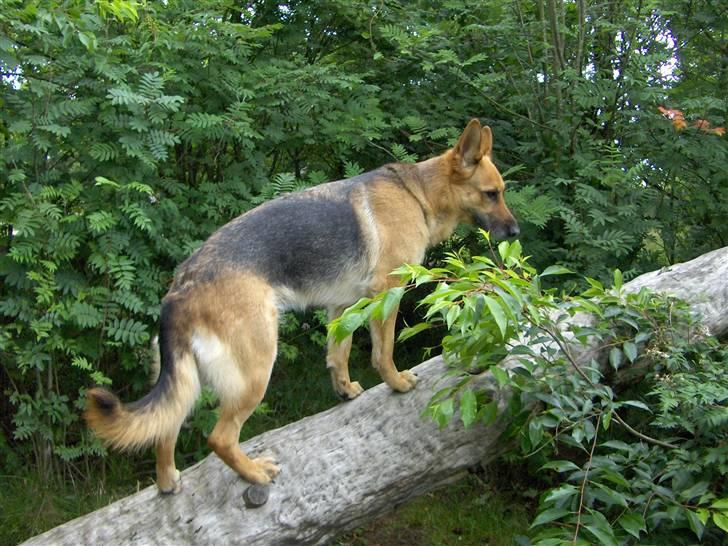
(349,390)
(405,381)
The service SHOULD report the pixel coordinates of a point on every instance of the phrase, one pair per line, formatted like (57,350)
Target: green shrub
(646,463)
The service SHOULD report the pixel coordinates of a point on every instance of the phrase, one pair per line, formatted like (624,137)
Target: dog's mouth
(500,229)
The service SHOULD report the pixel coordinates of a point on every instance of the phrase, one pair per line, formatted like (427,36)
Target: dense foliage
(645,463)
(129,131)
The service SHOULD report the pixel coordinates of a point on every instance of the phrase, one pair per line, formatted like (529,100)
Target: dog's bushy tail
(161,412)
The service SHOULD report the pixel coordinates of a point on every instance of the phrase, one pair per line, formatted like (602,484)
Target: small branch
(581,14)
(34,77)
(586,479)
(642,436)
(501,107)
(383,149)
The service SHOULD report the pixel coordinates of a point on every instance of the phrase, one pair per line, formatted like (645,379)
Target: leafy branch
(500,318)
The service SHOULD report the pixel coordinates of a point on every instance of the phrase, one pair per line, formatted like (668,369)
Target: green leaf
(102,181)
(85,315)
(615,357)
(391,300)
(616,478)
(720,505)
(501,376)
(618,279)
(452,315)
(410,331)
(698,489)
(630,349)
(348,323)
(561,493)
(100,221)
(636,404)
(555,270)
(696,525)
(468,407)
(504,250)
(548,542)
(721,520)
(633,523)
(560,466)
(601,528)
(604,534)
(535,433)
(446,411)
(549,515)
(128,331)
(88,40)
(610,495)
(497,312)
(488,412)
(703,515)
(82,363)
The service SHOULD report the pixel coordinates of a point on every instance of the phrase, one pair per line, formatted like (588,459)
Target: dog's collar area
(425,212)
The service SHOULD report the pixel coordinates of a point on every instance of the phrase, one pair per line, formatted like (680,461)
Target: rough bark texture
(703,282)
(348,465)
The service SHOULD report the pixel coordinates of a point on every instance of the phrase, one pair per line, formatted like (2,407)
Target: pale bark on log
(702,282)
(348,465)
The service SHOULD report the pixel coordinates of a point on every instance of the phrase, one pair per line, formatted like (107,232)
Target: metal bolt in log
(256,495)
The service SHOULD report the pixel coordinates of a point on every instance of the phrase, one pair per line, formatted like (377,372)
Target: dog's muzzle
(500,229)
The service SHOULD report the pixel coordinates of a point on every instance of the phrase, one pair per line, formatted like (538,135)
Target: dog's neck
(434,175)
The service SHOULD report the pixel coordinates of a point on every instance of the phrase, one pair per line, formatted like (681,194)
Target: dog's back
(314,247)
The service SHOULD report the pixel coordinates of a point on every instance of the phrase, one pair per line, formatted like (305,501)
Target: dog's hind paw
(264,470)
(171,486)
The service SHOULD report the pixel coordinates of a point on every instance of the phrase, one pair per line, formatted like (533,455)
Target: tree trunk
(350,464)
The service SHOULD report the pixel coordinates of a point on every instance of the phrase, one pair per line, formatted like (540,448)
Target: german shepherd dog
(326,246)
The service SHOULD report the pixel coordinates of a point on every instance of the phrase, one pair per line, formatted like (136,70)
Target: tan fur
(222,330)
(129,430)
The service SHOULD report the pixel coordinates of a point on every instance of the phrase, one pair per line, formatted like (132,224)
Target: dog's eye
(492,195)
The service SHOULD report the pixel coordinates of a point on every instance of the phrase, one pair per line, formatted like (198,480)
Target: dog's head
(477,184)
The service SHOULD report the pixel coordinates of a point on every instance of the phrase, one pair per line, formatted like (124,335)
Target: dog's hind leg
(337,361)
(168,478)
(224,442)
(237,360)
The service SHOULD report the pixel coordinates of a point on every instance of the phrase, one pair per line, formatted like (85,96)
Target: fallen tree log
(348,465)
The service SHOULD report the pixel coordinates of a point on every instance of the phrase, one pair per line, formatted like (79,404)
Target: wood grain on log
(702,282)
(347,465)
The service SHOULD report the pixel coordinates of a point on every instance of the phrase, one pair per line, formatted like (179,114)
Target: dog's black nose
(513,230)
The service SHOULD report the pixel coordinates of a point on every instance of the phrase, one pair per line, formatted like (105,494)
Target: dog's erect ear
(486,142)
(469,148)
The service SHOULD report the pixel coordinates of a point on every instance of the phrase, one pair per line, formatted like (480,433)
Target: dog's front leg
(382,354)
(337,361)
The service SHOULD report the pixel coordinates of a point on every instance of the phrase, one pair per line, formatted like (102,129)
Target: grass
(469,513)
(30,506)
